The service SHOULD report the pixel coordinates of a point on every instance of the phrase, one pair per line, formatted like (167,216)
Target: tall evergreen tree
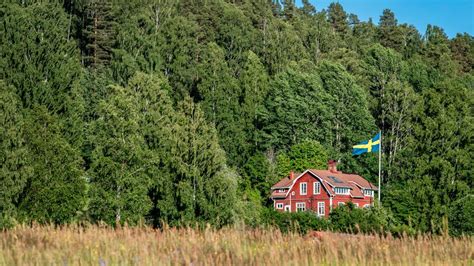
(462,49)
(15,167)
(99,33)
(338,18)
(55,163)
(389,34)
(200,186)
(37,58)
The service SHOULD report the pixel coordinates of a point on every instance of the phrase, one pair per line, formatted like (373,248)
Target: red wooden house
(321,191)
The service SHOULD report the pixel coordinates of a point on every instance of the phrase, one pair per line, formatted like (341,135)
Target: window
(279,206)
(367,206)
(288,208)
(356,205)
(341,190)
(321,208)
(300,206)
(303,188)
(281,190)
(340,204)
(316,188)
(368,192)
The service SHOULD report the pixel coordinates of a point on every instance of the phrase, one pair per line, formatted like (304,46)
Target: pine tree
(56,163)
(462,48)
(36,56)
(389,34)
(338,18)
(200,187)
(99,33)
(15,168)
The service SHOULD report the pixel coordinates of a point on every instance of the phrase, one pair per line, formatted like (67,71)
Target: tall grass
(94,245)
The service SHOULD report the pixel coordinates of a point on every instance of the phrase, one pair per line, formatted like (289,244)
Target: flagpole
(380,167)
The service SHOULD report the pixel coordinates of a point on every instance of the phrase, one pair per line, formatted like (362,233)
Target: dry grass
(145,246)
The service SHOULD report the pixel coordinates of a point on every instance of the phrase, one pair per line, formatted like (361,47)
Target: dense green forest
(152,111)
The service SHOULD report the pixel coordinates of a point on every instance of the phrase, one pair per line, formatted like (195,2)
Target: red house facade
(322,190)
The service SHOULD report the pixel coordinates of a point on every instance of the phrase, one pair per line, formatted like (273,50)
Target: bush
(300,222)
(7,221)
(350,219)
(461,216)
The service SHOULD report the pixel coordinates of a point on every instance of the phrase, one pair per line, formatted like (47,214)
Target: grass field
(145,246)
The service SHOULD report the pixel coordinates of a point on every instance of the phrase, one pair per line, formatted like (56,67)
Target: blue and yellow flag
(371,145)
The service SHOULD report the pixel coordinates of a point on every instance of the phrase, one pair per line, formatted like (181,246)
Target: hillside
(183,112)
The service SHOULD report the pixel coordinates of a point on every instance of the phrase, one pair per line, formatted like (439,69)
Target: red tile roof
(360,181)
(356,192)
(340,179)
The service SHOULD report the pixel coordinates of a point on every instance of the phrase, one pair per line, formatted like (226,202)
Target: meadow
(97,245)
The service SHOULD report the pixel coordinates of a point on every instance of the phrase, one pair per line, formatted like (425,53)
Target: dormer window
(368,192)
(281,190)
(341,190)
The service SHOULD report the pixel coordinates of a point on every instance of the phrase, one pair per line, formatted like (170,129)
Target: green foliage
(308,154)
(220,95)
(256,175)
(119,160)
(150,110)
(338,18)
(351,120)
(200,186)
(300,222)
(390,35)
(56,163)
(295,110)
(348,218)
(461,217)
(36,56)
(15,169)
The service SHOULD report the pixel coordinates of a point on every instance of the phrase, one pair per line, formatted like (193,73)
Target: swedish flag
(371,145)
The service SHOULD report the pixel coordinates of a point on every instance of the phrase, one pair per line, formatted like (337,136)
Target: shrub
(350,219)
(300,222)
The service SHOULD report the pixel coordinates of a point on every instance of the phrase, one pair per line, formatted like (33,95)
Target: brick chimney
(292,175)
(332,166)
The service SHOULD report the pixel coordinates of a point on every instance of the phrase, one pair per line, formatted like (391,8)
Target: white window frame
(279,206)
(342,191)
(322,205)
(368,193)
(357,205)
(281,190)
(318,186)
(300,206)
(366,205)
(341,204)
(305,188)
(287,208)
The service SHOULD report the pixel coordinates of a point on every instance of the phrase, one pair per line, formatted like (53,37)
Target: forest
(187,112)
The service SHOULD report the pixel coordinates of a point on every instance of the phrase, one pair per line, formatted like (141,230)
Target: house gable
(308,177)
